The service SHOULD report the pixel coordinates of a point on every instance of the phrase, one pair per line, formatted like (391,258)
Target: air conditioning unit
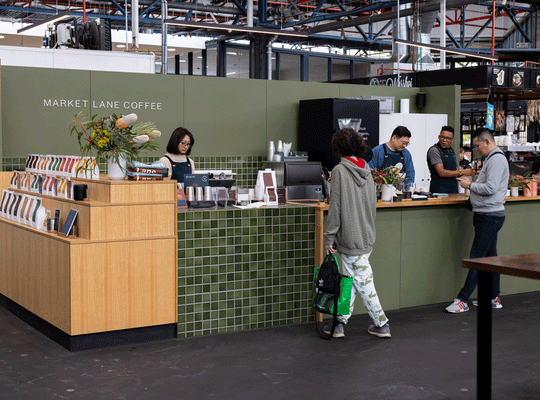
(91,35)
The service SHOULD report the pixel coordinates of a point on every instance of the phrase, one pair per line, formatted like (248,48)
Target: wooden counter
(117,277)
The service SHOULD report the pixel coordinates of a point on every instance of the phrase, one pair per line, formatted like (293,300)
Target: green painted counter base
(417,256)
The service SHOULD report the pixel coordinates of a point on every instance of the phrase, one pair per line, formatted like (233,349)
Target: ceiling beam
(431,6)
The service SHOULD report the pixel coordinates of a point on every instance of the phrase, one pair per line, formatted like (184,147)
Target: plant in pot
(531,188)
(115,139)
(516,182)
(387,178)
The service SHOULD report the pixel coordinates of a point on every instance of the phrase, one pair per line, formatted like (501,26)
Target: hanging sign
(489,116)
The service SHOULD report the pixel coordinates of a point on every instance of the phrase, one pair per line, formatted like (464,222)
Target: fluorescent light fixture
(234,28)
(51,20)
(447,49)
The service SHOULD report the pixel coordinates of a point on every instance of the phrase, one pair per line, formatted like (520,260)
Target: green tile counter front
(244,269)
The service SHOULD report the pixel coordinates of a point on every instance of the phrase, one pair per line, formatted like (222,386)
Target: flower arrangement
(518,181)
(388,176)
(113,137)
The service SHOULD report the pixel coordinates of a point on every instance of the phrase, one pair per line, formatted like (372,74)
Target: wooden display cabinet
(116,282)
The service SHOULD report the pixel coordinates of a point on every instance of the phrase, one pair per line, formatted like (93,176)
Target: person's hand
(464,182)
(329,177)
(468,172)
(330,250)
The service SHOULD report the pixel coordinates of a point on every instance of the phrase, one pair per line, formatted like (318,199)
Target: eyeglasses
(404,143)
(445,137)
(188,144)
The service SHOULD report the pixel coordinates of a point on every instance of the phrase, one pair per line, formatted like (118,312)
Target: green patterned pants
(360,269)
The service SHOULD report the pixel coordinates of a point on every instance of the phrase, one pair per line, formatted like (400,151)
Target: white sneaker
(495,303)
(457,306)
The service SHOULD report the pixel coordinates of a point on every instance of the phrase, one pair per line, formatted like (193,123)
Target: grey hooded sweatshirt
(350,225)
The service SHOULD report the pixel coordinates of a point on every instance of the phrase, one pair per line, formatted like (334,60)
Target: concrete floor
(432,355)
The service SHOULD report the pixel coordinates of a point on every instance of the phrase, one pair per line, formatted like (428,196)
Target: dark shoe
(339,332)
(382,332)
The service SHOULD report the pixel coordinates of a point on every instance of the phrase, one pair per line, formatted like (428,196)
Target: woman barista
(178,149)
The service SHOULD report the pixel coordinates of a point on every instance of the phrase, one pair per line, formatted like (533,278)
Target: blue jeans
(486,228)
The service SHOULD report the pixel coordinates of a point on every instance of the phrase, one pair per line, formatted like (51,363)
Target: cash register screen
(303,173)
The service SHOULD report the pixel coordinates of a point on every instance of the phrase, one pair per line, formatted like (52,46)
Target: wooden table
(525,266)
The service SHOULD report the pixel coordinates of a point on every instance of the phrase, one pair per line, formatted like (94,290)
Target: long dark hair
(176,138)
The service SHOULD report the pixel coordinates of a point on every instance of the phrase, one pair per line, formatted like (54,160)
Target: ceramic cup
(79,192)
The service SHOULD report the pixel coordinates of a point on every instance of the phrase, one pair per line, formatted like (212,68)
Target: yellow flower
(101,143)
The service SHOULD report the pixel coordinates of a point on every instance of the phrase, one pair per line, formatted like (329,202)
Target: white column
(443,32)
(135,23)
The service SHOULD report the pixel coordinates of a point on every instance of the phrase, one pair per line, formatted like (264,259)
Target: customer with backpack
(350,227)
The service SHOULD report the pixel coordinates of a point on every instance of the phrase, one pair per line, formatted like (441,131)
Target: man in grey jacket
(350,227)
(487,199)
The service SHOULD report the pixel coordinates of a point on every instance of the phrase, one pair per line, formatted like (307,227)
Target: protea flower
(141,139)
(154,134)
(126,120)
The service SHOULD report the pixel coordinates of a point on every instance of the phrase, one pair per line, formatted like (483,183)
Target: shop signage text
(109,104)
(404,81)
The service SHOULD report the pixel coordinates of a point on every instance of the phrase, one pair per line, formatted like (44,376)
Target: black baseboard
(92,340)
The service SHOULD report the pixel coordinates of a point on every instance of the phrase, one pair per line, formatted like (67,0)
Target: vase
(531,191)
(117,170)
(514,191)
(387,192)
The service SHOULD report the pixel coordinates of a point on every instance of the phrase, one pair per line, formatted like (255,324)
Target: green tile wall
(244,167)
(244,269)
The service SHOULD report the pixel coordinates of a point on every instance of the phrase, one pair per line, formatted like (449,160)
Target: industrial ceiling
(369,26)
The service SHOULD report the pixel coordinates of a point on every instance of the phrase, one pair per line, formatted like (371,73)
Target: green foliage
(112,136)
(388,176)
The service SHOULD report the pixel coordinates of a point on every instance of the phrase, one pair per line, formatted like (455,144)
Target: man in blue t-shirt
(394,152)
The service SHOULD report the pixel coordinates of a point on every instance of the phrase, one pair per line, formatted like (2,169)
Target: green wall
(229,117)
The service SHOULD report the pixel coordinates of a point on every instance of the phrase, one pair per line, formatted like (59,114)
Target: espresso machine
(302,180)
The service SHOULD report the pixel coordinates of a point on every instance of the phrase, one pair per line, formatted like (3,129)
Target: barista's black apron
(179,169)
(440,184)
(391,160)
